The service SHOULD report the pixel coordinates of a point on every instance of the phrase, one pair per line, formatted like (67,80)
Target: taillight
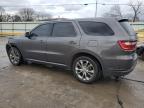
(127,45)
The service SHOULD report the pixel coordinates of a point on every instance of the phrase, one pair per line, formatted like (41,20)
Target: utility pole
(96,8)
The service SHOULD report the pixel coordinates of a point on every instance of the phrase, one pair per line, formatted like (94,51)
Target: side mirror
(27,34)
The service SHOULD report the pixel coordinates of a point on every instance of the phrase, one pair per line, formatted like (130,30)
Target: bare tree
(137,9)
(129,16)
(115,11)
(27,14)
(7,18)
(2,13)
(16,18)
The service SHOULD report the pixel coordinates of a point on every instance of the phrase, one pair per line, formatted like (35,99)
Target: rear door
(64,40)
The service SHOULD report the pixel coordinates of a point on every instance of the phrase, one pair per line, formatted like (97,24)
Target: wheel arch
(8,46)
(94,57)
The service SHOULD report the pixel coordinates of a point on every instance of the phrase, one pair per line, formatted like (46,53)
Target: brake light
(127,45)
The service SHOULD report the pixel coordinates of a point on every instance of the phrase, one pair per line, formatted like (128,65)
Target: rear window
(127,27)
(96,28)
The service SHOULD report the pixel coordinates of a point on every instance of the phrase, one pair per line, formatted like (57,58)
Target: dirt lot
(38,86)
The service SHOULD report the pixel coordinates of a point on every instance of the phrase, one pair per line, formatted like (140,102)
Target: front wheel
(85,69)
(14,56)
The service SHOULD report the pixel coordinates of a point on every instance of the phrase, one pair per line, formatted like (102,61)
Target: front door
(34,47)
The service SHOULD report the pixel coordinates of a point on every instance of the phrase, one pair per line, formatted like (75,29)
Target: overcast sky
(68,11)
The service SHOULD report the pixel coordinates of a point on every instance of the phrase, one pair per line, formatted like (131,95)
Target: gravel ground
(38,86)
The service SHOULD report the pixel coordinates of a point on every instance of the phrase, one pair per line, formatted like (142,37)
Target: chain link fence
(18,28)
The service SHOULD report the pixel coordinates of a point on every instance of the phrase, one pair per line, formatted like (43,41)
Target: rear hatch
(128,28)
(128,45)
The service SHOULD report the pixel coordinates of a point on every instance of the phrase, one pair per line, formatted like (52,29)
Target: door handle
(72,42)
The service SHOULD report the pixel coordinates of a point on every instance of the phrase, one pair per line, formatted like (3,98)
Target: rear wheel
(15,56)
(86,69)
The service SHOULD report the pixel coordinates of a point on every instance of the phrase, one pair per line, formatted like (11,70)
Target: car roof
(85,19)
(65,19)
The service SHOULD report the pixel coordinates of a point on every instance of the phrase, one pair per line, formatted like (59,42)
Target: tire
(15,56)
(86,70)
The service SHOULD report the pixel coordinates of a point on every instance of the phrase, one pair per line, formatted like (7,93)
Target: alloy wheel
(14,56)
(84,69)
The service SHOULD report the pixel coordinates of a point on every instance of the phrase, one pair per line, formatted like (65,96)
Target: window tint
(43,30)
(64,29)
(96,28)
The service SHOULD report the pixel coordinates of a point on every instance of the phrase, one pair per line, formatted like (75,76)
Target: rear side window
(127,27)
(96,28)
(63,29)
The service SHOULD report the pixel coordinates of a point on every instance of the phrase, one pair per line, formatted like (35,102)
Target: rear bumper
(122,72)
(121,67)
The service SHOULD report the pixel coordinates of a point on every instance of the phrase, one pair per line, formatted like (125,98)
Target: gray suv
(91,48)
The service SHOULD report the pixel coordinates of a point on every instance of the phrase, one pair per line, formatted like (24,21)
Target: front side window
(96,28)
(43,30)
(63,29)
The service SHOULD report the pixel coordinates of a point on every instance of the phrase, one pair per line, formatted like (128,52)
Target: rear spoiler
(123,20)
